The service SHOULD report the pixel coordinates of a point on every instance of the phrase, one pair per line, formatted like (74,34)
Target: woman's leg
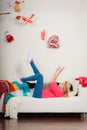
(33,77)
(38,86)
(38,77)
(34,67)
(30,78)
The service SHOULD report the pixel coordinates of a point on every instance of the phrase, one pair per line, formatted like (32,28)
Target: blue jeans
(36,77)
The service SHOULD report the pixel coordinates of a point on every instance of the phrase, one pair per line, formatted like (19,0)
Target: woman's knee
(40,76)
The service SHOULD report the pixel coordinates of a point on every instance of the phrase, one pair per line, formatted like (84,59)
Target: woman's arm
(56,74)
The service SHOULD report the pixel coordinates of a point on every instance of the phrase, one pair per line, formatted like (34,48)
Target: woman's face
(62,84)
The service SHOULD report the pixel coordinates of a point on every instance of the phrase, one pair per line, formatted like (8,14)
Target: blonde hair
(66,88)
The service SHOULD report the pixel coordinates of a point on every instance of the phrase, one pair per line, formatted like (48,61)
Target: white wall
(65,18)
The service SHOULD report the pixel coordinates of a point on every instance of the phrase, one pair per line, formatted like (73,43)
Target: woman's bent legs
(39,80)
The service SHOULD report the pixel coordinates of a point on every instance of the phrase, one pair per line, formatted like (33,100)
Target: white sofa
(75,104)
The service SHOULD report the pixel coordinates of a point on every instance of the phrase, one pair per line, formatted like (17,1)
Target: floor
(43,123)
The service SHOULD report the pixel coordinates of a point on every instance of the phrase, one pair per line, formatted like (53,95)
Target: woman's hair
(67,88)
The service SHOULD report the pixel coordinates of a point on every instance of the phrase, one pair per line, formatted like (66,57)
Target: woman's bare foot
(30,59)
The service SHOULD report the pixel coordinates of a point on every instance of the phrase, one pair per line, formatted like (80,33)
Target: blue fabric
(9,95)
(38,77)
(23,86)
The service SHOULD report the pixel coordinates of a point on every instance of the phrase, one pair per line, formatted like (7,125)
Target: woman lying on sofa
(55,89)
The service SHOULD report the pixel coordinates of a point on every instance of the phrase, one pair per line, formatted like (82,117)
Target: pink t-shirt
(53,91)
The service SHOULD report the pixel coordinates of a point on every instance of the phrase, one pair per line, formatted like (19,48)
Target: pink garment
(53,91)
(53,42)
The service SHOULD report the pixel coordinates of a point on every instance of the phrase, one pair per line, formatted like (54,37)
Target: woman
(64,89)
(55,89)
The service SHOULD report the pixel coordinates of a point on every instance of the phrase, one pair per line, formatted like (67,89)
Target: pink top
(53,91)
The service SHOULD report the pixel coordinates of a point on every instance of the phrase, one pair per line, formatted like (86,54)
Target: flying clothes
(23,19)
